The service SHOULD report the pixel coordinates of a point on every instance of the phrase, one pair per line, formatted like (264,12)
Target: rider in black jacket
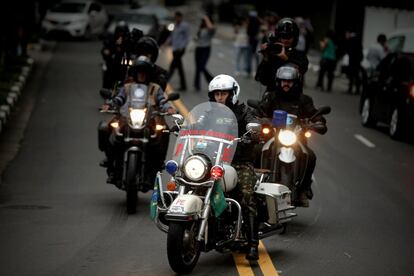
(288,96)
(279,49)
(224,89)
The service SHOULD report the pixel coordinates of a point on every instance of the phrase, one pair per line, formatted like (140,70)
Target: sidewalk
(22,93)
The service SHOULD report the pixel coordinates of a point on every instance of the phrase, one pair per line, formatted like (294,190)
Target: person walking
(328,61)
(241,43)
(179,39)
(204,36)
(353,47)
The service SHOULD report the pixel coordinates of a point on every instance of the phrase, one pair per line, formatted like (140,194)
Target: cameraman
(279,49)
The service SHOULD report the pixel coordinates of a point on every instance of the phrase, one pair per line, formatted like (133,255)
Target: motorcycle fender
(287,155)
(277,198)
(185,205)
(229,180)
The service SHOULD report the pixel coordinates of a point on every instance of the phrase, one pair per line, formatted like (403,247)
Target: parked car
(388,96)
(165,20)
(75,17)
(147,23)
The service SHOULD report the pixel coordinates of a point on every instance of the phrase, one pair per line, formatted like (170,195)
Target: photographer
(279,49)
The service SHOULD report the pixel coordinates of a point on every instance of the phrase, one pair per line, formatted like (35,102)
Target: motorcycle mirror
(253,127)
(173,96)
(179,119)
(105,93)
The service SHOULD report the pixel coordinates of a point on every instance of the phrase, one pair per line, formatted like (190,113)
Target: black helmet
(121,29)
(147,46)
(287,28)
(141,64)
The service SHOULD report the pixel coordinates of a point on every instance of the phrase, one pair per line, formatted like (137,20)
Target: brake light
(411,90)
(217,172)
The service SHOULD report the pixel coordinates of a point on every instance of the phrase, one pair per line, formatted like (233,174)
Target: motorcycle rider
(113,50)
(288,96)
(224,89)
(279,49)
(142,73)
(148,46)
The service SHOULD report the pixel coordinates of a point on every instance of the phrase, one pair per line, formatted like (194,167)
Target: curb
(14,92)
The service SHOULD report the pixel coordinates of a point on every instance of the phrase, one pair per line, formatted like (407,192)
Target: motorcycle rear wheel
(131,183)
(183,249)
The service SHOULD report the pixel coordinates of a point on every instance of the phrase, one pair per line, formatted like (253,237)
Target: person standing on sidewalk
(202,51)
(179,39)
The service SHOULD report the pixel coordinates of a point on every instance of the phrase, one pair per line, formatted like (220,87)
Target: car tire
(367,119)
(396,128)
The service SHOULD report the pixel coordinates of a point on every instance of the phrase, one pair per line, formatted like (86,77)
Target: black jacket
(244,115)
(266,71)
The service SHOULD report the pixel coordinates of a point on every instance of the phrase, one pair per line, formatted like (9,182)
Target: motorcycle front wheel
(183,249)
(131,183)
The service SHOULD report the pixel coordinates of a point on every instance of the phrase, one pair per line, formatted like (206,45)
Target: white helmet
(224,82)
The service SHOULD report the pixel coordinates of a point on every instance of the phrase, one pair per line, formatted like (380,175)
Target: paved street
(59,217)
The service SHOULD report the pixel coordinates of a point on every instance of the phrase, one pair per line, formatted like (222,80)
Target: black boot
(252,238)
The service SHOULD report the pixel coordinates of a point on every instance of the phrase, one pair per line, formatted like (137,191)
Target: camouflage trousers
(244,191)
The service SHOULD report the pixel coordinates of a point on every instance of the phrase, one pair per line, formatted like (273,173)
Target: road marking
(265,262)
(243,265)
(364,141)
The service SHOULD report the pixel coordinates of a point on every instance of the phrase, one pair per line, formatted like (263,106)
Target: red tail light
(217,172)
(411,90)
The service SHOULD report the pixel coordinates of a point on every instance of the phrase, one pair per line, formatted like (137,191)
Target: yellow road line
(243,265)
(265,262)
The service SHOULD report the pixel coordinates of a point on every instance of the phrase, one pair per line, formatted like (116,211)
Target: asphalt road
(59,217)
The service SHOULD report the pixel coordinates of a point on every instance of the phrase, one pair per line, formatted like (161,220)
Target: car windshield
(69,8)
(160,12)
(134,17)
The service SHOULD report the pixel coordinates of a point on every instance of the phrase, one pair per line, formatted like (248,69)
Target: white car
(147,23)
(75,17)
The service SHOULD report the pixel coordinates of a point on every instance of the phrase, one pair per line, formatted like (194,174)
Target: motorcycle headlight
(287,137)
(137,117)
(195,168)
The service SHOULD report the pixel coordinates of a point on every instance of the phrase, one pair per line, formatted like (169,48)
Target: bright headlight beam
(287,137)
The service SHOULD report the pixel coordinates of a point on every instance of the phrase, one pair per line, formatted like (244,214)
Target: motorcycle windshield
(210,129)
(137,96)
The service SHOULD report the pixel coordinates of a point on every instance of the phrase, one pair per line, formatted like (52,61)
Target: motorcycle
(136,128)
(196,210)
(283,154)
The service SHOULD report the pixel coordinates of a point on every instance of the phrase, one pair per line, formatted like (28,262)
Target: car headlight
(287,137)
(195,168)
(137,117)
(171,27)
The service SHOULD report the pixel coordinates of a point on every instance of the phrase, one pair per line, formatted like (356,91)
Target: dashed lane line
(364,141)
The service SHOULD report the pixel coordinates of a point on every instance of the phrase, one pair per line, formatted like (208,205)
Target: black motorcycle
(136,131)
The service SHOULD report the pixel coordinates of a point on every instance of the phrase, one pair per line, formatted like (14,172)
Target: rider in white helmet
(224,89)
